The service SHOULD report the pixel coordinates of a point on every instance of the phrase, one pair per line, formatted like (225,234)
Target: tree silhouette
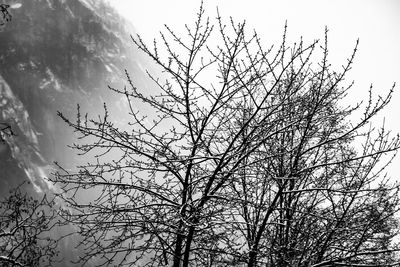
(242,156)
(25,226)
(5,14)
(5,131)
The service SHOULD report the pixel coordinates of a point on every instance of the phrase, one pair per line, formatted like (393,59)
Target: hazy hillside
(53,55)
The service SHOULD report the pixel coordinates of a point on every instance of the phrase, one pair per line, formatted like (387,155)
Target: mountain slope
(53,55)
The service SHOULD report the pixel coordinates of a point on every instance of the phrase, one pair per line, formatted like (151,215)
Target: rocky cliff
(53,55)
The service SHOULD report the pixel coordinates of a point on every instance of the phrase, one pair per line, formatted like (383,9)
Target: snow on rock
(50,82)
(15,6)
(23,145)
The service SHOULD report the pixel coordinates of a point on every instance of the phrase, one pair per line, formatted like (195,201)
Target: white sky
(375,22)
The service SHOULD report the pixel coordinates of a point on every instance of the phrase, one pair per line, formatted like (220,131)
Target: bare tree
(252,166)
(308,196)
(5,14)
(5,131)
(25,230)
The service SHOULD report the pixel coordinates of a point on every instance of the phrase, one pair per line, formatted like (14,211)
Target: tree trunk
(252,258)
(189,240)
(178,248)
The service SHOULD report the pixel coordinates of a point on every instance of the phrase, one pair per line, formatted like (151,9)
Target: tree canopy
(256,165)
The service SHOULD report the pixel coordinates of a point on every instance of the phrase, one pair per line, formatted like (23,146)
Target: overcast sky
(375,22)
